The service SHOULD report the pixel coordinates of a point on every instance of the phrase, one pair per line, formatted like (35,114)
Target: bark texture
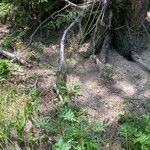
(129,16)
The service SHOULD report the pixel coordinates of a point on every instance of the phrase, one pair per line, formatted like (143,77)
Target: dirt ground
(103,98)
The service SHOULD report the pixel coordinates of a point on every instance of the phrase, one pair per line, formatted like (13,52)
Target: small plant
(8,42)
(71,127)
(77,133)
(110,71)
(135,132)
(65,93)
(3,69)
(49,125)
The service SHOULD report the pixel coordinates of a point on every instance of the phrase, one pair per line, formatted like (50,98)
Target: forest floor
(127,89)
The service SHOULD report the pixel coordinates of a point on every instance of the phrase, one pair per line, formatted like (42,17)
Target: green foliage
(8,42)
(49,125)
(5,10)
(13,40)
(62,19)
(16,109)
(73,129)
(110,71)
(77,133)
(9,69)
(66,93)
(63,145)
(3,69)
(135,132)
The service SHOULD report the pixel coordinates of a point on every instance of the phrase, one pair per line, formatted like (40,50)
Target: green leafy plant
(135,132)
(16,108)
(66,93)
(49,125)
(77,133)
(3,69)
(110,71)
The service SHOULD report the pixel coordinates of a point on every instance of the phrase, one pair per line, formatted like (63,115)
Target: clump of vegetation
(110,71)
(16,110)
(135,132)
(3,69)
(73,130)
(71,126)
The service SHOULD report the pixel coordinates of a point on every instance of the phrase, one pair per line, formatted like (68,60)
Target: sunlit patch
(126,87)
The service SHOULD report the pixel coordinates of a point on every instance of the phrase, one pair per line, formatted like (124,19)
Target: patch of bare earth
(104,98)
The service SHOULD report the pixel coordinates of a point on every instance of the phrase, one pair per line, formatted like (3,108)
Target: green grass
(20,107)
(16,109)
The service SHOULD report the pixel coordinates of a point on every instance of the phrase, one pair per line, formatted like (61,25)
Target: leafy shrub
(135,132)
(5,11)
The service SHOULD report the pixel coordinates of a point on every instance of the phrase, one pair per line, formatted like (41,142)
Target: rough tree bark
(128,19)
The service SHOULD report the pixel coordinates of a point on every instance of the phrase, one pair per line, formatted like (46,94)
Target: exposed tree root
(140,62)
(14,58)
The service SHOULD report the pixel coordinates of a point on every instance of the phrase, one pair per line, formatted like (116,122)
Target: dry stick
(90,28)
(89,17)
(31,37)
(14,57)
(96,28)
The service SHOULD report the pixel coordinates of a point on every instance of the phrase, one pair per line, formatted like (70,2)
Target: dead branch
(15,58)
(62,42)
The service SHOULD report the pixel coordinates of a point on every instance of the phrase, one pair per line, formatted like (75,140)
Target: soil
(103,98)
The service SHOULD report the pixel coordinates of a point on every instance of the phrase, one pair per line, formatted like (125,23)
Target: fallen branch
(15,58)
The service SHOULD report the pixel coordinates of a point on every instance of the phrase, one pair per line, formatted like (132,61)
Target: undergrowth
(70,124)
(22,125)
(3,69)
(72,129)
(135,132)
(16,109)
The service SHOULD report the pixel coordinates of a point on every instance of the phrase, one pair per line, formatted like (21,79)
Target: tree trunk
(129,16)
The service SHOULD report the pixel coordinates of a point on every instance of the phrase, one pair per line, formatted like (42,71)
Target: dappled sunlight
(126,87)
